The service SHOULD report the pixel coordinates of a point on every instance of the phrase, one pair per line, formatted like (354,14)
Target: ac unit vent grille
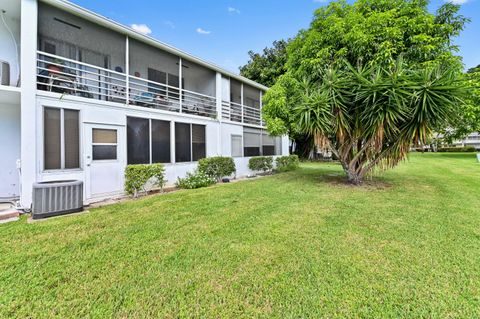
(57,198)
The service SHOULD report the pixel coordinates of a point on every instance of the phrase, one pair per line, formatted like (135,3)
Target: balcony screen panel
(182,143)
(198,142)
(236,145)
(71,138)
(173,82)
(138,141)
(160,141)
(158,77)
(235,91)
(251,96)
(225,89)
(52,138)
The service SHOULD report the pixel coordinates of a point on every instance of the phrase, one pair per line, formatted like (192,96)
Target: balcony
(70,77)
(78,57)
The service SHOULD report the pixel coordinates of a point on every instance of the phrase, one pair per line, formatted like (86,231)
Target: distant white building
(83,96)
(471,140)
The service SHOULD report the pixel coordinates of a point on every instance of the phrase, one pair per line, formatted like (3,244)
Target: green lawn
(293,245)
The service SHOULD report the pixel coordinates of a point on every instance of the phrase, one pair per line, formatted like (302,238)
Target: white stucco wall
(10,142)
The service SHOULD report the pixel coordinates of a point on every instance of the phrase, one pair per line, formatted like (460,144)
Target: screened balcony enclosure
(78,57)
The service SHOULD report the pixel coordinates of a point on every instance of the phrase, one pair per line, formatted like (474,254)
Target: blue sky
(223,31)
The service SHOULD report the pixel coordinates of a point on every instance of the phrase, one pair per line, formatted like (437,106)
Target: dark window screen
(104,152)
(198,142)
(72,138)
(268,150)
(138,141)
(159,77)
(160,141)
(251,151)
(182,142)
(51,138)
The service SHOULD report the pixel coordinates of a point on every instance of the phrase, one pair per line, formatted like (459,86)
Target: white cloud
(169,24)
(233,10)
(142,28)
(202,31)
(457,1)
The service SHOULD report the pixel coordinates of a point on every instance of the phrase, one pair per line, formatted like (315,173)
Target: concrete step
(9,215)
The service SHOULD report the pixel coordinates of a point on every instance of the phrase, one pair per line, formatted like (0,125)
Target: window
(138,141)
(268,145)
(182,143)
(144,135)
(190,142)
(236,145)
(259,143)
(104,144)
(251,143)
(198,142)
(61,138)
(160,141)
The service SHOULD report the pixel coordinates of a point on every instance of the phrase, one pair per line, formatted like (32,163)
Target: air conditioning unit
(4,73)
(56,198)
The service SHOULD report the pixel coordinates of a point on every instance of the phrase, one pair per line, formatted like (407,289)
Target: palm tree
(369,117)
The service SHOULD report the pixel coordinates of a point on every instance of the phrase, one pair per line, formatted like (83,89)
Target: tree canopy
(266,67)
(368,79)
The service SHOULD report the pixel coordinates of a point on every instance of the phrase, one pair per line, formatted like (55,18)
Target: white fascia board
(115,26)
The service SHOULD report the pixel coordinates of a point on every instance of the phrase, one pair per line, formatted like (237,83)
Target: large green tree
(266,67)
(368,35)
(469,119)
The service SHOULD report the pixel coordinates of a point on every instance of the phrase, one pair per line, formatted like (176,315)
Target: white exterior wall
(22,126)
(10,142)
(107,113)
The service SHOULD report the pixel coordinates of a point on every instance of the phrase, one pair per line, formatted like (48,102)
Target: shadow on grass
(333,176)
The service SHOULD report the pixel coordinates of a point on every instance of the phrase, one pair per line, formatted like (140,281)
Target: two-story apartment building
(85,96)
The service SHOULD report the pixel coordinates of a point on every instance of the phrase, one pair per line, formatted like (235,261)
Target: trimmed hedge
(195,180)
(136,176)
(287,163)
(217,166)
(261,163)
(465,149)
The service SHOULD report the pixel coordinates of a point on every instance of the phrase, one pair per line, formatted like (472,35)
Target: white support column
(261,106)
(127,70)
(172,142)
(218,95)
(241,99)
(180,82)
(28,108)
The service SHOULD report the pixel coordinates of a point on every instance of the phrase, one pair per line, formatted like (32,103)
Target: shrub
(137,176)
(287,163)
(195,180)
(261,163)
(465,149)
(217,167)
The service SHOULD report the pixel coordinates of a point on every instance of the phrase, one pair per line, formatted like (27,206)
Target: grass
(293,245)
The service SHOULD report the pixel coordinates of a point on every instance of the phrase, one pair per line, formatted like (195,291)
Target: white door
(104,160)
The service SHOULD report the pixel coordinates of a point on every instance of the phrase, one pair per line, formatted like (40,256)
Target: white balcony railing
(66,76)
(236,112)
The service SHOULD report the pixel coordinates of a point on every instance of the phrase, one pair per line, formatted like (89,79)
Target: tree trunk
(354,178)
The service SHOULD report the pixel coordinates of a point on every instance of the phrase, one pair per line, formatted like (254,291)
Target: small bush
(287,163)
(217,167)
(465,149)
(136,176)
(195,180)
(261,163)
